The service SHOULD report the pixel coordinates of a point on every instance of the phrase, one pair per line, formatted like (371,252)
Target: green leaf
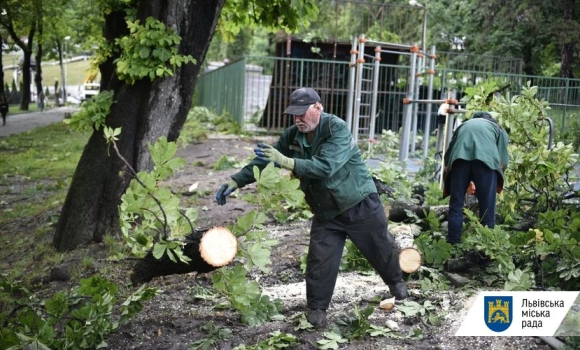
(269,177)
(158,250)
(144,52)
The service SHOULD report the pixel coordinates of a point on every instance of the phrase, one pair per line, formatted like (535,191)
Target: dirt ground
(174,319)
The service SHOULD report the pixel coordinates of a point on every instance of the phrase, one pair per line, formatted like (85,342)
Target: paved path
(16,123)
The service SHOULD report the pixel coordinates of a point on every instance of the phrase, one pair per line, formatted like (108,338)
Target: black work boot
(399,290)
(316,317)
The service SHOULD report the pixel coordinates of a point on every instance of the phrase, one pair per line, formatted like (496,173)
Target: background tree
(541,33)
(148,109)
(2,88)
(19,18)
(60,21)
(38,10)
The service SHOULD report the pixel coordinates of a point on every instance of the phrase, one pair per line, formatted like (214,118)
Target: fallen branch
(207,249)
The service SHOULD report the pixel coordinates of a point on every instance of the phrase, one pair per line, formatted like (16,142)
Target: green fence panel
(223,90)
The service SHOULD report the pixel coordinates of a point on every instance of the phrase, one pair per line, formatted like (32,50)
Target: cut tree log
(399,211)
(410,258)
(207,249)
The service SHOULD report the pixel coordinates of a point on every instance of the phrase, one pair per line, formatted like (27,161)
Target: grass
(49,152)
(76,71)
(36,167)
(36,170)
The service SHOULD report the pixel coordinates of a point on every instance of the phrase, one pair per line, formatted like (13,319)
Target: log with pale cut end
(409,256)
(218,246)
(410,260)
(207,249)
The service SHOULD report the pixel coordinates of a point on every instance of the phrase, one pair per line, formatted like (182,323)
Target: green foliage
(302,322)
(150,50)
(225,163)
(215,334)
(435,250)
(150,215)
(225,124)
(431,221)
(93,113)
(536,176)
(202,114)
(80,319)
(332,341)
(570,325)
(386,147)
(570,130)
(245,296)
(555,242)
(434,194)
(256,248)
(232,282)
(357,325)
(426,311)
(353,260)
(279,195)
(200,120)
(432,280)
(271,15)
(277,340)
(375,32)
(396,176)
(519,280)
(493,243)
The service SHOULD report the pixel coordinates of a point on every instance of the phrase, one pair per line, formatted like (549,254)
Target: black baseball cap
(300,100)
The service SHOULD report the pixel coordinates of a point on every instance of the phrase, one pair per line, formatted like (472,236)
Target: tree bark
(38,56)
(567,48)
(398,211)
(26,47)
(200,247)
(410,258)
(145,111)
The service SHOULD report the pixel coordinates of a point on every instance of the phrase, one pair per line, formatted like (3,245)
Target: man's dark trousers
(367,227)
(485,180)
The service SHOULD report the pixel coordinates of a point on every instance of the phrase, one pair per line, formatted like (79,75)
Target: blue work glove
(270,153)
(225,190)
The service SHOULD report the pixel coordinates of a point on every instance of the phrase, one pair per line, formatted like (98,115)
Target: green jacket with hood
(332,174)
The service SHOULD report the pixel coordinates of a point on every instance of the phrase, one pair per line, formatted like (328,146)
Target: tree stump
(207,249)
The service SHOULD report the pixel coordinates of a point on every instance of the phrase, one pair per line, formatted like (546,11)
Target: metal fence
(255,91)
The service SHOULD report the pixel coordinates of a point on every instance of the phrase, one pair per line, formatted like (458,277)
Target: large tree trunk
(145,111)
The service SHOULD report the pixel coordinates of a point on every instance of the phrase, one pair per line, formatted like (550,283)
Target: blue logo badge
(498,312)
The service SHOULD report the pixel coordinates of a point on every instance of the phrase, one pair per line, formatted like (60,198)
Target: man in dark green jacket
(321,153)
(477,152)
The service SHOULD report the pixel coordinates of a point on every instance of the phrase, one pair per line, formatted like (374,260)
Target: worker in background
(477,153)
